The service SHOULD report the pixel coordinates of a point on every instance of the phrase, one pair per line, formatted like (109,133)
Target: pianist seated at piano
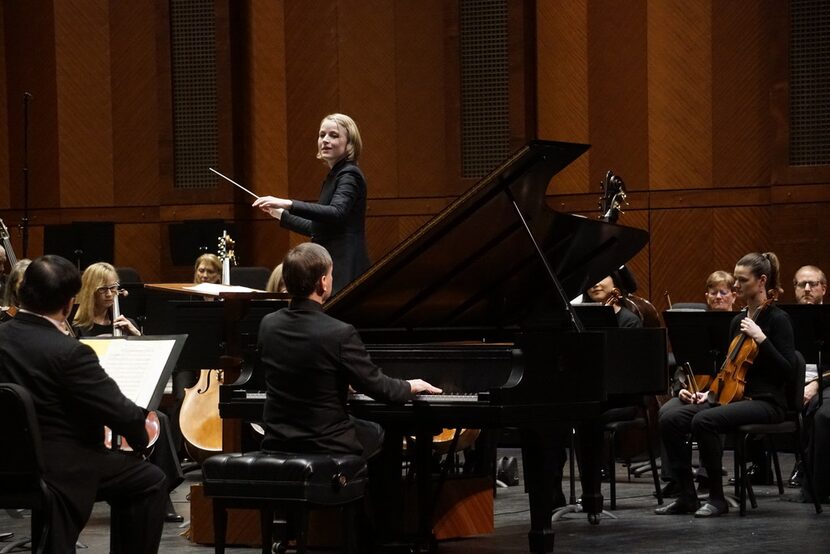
(610,291)
(310,360)
(94,316)
(706,418)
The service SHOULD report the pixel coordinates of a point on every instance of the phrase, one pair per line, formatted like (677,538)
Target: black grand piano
(476,303)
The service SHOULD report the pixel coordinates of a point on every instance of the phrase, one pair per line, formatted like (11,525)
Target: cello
(199,419)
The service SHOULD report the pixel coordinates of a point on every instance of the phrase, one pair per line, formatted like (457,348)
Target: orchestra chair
(625,418)
(128,275)
(764,431)
(21,465)
(293,482)
(254,277)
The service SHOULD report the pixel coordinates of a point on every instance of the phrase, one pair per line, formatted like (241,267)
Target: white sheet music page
(214,289)
(135,365)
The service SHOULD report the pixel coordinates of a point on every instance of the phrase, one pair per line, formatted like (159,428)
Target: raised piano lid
(473,264)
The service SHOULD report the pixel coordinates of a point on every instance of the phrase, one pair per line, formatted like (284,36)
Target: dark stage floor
(775,526)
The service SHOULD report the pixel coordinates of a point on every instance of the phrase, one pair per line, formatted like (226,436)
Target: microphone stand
(24,221)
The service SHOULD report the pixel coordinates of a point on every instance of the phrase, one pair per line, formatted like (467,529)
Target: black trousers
(135,489)
(706,423)
(817,433)
(370,435)
(165,454)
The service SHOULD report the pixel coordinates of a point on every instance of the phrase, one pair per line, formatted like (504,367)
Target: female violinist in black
(756,280)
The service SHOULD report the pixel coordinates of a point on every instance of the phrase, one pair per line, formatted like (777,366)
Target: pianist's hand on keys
(419,385)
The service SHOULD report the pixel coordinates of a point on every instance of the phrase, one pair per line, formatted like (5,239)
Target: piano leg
(590,438)
(543,457)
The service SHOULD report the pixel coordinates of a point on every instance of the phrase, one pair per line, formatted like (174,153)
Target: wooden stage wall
(687,102)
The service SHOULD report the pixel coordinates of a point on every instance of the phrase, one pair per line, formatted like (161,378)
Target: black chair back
(255,277)
(21,465)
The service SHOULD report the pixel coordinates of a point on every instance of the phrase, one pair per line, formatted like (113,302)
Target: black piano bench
(296,483)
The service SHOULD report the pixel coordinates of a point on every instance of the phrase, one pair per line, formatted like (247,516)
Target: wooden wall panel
(136,245)
(742,127)
(4,121)
(82,46)
(687,245)
(312,88)
(366,73)
(135,107)
(797,235)
(421,91)
(260,125)
(562,83)
(680,94)
(30,67)
(265,162)
(617,92)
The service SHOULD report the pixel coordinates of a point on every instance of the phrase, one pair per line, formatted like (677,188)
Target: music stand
(699,338)
(811,329)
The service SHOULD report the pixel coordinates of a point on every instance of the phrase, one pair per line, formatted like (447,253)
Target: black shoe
(713,508)
(796,476)
(170,515)
(757,476)
(682,505)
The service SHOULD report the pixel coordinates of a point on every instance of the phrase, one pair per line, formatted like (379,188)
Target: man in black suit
(310,360)
(74,398)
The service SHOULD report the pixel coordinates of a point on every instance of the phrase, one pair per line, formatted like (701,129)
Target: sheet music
(135,365)
(214,289)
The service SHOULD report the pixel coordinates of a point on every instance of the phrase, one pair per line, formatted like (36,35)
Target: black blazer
(74,398)
(309,359)
(337,221)
(775,365)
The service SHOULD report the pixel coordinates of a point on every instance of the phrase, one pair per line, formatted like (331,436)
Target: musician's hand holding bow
(692,397)
(419,385)
(751,329)
(126,325)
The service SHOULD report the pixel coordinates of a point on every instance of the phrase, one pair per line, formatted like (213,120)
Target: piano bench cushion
(768,428)
(324,479)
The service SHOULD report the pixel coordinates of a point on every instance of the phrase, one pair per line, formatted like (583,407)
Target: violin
(729,383)
(151,426)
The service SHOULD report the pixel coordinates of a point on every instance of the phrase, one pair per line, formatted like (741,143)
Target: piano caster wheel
(279,548)
(593,519)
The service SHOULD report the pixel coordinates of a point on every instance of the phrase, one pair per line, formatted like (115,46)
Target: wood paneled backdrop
(686,101)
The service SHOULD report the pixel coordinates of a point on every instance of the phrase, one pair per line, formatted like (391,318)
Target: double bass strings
(233,182)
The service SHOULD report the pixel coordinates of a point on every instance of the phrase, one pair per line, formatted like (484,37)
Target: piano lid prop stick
(233,182)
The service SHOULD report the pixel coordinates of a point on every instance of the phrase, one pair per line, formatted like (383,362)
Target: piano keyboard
(357,397)
(429,398)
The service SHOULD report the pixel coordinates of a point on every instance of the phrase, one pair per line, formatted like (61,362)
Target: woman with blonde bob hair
(99,286)
(337,220)
(207,269)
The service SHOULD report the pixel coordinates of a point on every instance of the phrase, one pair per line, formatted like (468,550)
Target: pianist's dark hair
(764,264)
(303,266)
(48,284)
